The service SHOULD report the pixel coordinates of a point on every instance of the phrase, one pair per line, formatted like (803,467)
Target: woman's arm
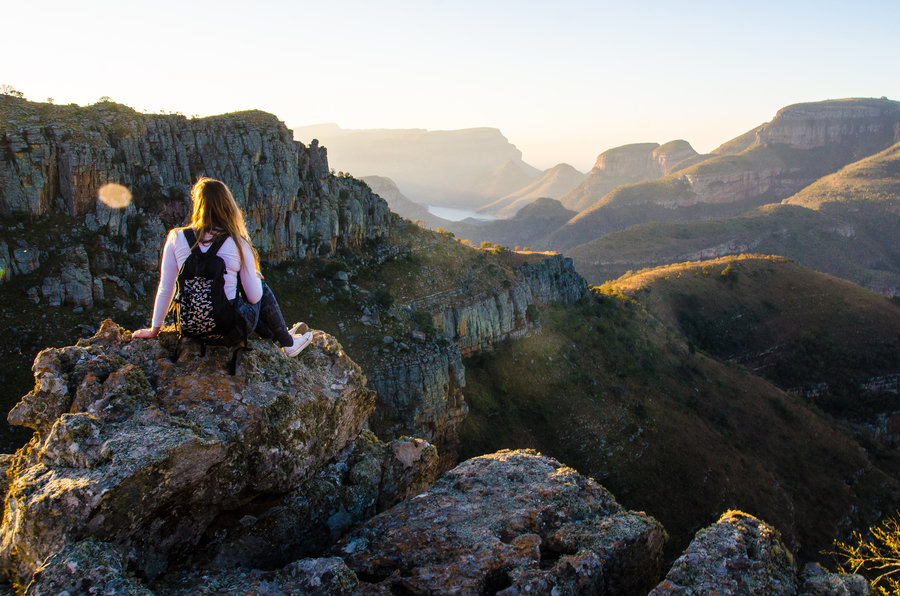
(168,275)
(251,279)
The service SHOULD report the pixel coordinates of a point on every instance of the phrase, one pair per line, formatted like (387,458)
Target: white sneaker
(300,342)
(299,329)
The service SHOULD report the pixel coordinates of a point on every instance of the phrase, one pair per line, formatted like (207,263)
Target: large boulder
(513,522)
(741,554)
(160,459)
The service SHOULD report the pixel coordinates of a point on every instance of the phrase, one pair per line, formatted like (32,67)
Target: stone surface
(816,581)
(146,454)
(513,522)
(85,567)
(739,554)
(310,577)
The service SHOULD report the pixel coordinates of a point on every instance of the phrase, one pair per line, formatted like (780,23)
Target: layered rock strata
(58,158)
(421,394)
(164,460)
(513,522)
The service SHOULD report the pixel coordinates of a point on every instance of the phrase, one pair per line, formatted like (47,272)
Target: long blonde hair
(216,213)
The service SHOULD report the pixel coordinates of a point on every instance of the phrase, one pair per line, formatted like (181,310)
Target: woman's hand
(146,333)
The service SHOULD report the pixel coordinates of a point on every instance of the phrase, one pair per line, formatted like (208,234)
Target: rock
(25,260)
(342,277)
(34,294)
(739,554)
(135,450)
(387,340)
(369,476)
(85,567)
(819,582)
(311,577)
(420,394)
(508,523)
(52,291)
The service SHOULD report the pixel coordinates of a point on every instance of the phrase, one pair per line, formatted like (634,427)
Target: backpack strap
(191,238)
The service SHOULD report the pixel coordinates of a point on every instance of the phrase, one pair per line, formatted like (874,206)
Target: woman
(215,214)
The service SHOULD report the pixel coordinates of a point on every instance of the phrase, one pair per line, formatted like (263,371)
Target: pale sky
(562,80)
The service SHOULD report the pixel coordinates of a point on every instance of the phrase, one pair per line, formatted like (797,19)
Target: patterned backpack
(202,311)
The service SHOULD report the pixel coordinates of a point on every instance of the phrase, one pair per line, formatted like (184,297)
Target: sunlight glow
(114,195)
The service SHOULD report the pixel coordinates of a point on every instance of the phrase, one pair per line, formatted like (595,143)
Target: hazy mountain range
(778,188)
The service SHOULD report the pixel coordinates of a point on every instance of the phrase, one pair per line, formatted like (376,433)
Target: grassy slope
(796,327)
(873,179)
(610,391)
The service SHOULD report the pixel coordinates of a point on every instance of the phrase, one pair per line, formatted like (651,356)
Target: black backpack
(202,311)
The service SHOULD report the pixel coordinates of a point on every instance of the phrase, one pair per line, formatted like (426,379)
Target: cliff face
(58,157)
(421,394)
(865,125)
(626,165)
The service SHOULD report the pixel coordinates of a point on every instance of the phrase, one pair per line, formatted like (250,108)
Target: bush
(877,556)
(384,297)
(423,321)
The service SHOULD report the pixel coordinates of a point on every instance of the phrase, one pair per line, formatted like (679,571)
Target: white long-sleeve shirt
(175,253)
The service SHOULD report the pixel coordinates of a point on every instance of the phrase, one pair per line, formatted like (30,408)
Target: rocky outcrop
(554,279)
(513,522)
(626,165)
(421,395)
(864,125)
(741,554)
(58,157)
(171,461)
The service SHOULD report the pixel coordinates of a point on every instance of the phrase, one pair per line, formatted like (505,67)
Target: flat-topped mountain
(801,144)
(626,165)
(434,167)
(552,183)
(844,224)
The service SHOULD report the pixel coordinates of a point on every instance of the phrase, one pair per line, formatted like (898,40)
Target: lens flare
(114,195)
(2,272)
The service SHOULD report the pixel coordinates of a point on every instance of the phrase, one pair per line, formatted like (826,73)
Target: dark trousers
(264,317)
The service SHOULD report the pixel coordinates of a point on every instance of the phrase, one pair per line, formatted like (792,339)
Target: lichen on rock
(142,453)
(508,523)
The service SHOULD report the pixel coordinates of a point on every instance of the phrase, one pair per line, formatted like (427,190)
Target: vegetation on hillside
(615,394)
(803,330)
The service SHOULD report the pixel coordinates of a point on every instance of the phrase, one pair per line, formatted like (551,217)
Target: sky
(562,80)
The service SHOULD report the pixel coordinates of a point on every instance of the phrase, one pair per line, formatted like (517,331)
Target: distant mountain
(505,179)
(552,183)
(626,165)
(453,168)
(802,143)
(399,204)
(845,224)
(529,227)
